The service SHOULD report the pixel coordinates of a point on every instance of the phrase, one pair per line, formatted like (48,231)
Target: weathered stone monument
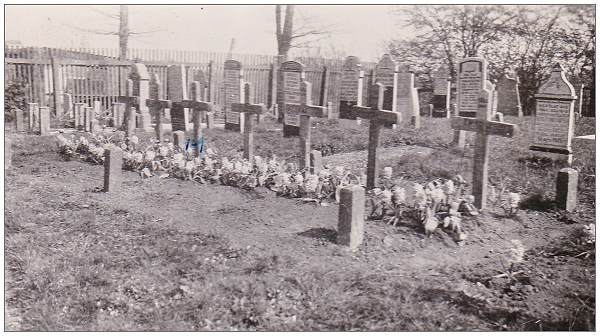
(118,113)
(292,75)
(44,120)
(178,92)
(157,106)
(351,218)
(68,105)
(19,120)
(377,117)
(509,102)
(554,117)
(33,116)
(474,71)
(141,88)
(386,73)
(88,113)
(234,93)
(351,87)
(78,115)
(440,101)
(248,111)
(113,162)
(304,111)
(566,189)
(179,140)
(407,97)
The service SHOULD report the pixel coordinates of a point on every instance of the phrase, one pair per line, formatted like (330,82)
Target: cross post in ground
(484,127)
(198,109)
(130,102)
(377,117)
(305,110)
(249,111)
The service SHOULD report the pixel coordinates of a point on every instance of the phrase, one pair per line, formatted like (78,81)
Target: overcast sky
(356,30)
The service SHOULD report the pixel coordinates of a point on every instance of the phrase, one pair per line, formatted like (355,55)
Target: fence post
(211,77)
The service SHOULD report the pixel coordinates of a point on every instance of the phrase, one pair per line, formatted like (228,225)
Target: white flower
(134,140)
(178,157)
(298,178)
(137,157)
(311,183)
(398,195)
(163,150)
(189,165)
(149,156)
(449,187)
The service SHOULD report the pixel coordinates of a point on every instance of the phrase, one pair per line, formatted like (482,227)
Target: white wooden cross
(377,117)
(249,111)
(305,110)
(484,127)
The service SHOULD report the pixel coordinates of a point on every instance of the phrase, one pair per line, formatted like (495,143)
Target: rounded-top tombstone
(472,74)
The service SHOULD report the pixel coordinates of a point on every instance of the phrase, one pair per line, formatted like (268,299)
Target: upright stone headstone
(351,87)
(33,115)
(44,120)
(292,78)
(68,105)
(386,73)
(78,115)
(566,189)
(509,102)
(118,113)
(234,93)
(178,92)
(7,153)
(407,97)
(554,116)
(351,218)
(88,112)
(441,93)
(141,89)
(19,120)
(113,162)
(472,73)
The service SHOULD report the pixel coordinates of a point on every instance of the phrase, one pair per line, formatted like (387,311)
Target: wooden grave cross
(377,117)
(157,107)
(249,111)
(484,127)
(305,110)
(199,108)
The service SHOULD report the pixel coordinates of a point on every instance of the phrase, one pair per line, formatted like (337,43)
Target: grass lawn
(174,255)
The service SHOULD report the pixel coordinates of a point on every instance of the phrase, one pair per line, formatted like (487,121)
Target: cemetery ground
(167,254)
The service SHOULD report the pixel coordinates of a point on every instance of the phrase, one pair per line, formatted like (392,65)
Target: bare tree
(295,33)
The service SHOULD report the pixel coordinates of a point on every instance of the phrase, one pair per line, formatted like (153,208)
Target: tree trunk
(123,32)
(284,34)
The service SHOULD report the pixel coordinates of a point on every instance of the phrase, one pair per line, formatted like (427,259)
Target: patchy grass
(76,261)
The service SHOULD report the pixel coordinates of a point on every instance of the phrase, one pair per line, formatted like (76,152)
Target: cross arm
(129,100)
(309,110)
(158,103)
(196,105)
(484,126)
(375,114)
(249,108)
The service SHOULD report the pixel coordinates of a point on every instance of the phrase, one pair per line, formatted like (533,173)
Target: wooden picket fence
(98,75)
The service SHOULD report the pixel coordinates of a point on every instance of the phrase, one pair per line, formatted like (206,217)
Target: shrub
(14,98)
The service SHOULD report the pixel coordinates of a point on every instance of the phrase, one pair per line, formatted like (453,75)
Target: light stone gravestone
(118,113)
(179,140)
(386,73)
(157,106)
(554,118)
(177,94)
(68,105)
(141,88)
(481,124)
(351,218)
(19,120)
(440,100)
(377,117)
(88,112)
(233,93)
(248,111)
(566,189)
(509,101)
(78,115)
(44,120)
(407,96)
(33,115)
(304,111)
(113,162)
(471,77)
(292,76)
(351,86)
